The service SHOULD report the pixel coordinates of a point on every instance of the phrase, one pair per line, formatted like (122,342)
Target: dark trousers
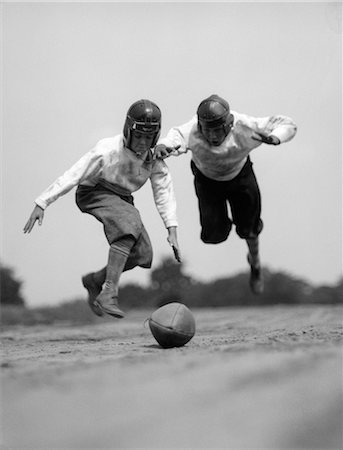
(243,195)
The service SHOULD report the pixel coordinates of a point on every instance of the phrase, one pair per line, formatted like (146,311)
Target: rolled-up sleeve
(282,127)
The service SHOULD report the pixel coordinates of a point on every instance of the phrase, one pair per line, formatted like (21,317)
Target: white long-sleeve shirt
(112,162)
(224,162)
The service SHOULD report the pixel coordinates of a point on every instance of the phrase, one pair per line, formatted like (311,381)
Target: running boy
(106,177)
(220,141)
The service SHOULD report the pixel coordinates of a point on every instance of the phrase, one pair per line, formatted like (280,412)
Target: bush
(69,312)
(10,288)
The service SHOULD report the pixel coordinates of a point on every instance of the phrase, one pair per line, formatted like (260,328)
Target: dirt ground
(250,378)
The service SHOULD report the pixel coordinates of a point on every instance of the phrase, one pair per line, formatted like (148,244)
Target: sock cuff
(123,246)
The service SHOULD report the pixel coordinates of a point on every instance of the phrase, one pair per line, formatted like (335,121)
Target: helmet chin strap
(138,154)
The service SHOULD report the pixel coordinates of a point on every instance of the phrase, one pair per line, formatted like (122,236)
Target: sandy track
(250,378)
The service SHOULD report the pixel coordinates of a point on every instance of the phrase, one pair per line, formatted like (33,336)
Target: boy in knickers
(106,177)
(220,141)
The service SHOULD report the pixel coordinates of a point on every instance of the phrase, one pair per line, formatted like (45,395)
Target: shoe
(107,301)
(256,278)
(93,291)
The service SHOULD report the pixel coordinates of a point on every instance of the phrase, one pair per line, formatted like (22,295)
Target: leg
(256,275)
(129,242)
(213,211)
(253,256)
(141,253)
(245,202)
(107,300)
(93,283)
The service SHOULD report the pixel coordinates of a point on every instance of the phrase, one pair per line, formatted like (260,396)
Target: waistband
(115,188)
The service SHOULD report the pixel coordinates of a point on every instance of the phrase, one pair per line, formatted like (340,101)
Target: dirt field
(250,378)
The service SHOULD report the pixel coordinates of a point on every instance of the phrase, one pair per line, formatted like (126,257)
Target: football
(172,325)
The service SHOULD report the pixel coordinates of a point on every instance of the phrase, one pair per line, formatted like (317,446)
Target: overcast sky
(71,70)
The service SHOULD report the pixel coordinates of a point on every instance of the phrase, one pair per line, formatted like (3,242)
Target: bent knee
(250,233)
(214,238)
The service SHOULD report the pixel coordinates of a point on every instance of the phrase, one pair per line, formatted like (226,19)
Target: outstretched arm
(272,130)
(164,197)
(89,165)
(265,138)
(162,151)
(176,141)
(37,214)
(172,239)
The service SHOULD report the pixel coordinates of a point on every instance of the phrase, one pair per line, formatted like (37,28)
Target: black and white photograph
(171,225)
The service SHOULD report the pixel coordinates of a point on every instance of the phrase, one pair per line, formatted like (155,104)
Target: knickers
(243,195)
(120,218)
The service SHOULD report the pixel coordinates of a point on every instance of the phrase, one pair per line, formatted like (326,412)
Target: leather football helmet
(213,112)
(144,116)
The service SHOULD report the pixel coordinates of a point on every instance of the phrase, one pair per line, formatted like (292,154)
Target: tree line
(169,282)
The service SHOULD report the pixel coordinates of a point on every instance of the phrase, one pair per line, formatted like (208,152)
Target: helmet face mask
(143,118)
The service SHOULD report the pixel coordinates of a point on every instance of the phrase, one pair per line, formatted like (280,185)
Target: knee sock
(122,247)
(117,257)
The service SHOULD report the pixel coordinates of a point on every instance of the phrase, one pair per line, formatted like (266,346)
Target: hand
(161,151)
(172,239)
(261,137)
(37,214)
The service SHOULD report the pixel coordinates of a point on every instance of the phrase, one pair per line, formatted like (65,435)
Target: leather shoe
(93,291)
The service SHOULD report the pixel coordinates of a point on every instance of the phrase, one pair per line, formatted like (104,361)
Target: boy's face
(141,141)
(216,135)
